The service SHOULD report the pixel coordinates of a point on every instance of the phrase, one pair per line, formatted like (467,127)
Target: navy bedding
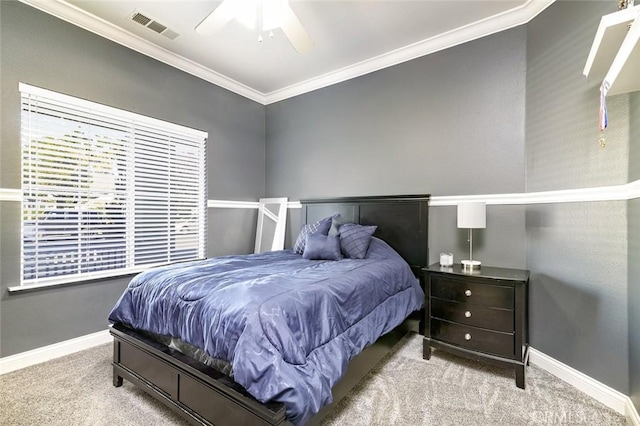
(288,326)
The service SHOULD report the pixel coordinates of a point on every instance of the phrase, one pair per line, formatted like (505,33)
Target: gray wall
(577,252)
(43,51)
(634,301)
(452,123)
(445,124)
(430,124)
(633,215)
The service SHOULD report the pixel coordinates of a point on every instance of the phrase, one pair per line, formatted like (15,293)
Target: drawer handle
(467,293)
(467,336)
(467,314)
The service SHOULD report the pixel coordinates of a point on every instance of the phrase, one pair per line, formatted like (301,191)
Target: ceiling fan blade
(295,32)
(217,19)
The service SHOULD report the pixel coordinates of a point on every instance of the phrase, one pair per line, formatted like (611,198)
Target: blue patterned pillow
(321,226)
(322,247)
(355,239)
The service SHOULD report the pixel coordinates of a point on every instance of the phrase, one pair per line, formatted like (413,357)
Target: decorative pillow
(322,247)
(321,226)
(355,239)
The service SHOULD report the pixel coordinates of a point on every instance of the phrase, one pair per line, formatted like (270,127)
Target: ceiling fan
(265,15)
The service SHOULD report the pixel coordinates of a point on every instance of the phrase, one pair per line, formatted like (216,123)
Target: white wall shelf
(615,53)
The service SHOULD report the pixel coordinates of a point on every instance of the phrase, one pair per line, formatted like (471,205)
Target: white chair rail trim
(623,192)
(7,194)
(627,191)
(230,204)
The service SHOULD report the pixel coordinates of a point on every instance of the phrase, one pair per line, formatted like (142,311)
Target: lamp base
(470,265)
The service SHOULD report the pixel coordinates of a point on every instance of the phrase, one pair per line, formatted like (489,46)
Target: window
(105,191)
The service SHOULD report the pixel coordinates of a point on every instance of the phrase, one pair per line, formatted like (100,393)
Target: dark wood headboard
(402,220)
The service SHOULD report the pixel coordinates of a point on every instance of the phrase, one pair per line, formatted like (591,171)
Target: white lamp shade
(472,215)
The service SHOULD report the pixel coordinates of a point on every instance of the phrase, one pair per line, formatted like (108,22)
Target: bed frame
(203,395)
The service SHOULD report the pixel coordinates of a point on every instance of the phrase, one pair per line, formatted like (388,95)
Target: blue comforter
(288,326)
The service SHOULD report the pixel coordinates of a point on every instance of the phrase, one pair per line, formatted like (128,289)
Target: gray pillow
(355,239)
(321,226)
(322,247)
(336,221)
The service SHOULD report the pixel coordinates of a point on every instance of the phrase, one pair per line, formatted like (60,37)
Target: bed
(329,361)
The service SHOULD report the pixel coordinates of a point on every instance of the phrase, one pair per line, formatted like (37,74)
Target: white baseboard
(57,350)
(613,399)
(632,414)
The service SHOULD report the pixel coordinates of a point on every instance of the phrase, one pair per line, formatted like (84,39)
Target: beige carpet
(403,390)
(448,390)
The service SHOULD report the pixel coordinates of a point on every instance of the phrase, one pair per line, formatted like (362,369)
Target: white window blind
(106,191)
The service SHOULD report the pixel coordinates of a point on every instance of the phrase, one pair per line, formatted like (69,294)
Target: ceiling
(351,38)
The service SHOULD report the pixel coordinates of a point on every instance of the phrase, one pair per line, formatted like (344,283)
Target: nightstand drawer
(481,314)
(487,341)
(474,315)
(473,292)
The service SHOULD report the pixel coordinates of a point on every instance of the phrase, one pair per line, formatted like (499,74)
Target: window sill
(71,280)
(66,283)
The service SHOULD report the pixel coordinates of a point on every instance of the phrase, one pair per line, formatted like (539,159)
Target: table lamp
(472,215)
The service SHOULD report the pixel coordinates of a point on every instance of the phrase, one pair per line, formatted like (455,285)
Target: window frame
(133,121)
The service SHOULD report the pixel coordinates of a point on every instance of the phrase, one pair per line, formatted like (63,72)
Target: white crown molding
(503,21)
(57,350)
(70,13)
(74,15)
(613,399)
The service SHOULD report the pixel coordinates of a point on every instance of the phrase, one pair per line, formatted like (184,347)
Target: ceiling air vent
(140,18)
(154,25)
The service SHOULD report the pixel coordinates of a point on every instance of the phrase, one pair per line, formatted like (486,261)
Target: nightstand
(481,315)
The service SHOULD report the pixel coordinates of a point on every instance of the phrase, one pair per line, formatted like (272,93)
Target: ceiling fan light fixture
(245,12)
(273,12)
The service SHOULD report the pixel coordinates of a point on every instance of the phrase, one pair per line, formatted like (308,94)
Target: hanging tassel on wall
(603,116)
